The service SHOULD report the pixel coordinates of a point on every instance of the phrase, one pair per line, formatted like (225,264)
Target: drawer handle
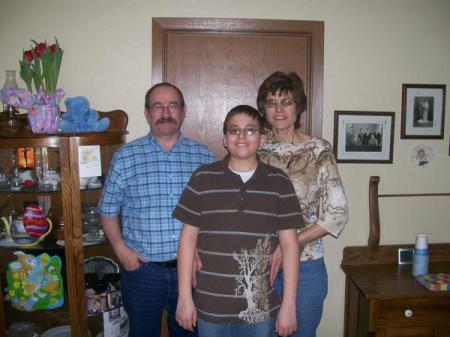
(408,313)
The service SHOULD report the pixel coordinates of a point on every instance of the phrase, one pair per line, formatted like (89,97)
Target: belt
(166,264)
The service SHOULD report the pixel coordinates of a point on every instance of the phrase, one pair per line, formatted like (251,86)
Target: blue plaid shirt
(143,185)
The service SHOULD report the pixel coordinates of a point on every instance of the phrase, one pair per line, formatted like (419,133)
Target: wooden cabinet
(66,202)
(382,298)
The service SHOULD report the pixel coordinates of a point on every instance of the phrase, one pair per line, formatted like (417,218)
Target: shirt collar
(153,141)
(260,172)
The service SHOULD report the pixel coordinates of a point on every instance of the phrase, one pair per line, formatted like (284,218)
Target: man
(144,184)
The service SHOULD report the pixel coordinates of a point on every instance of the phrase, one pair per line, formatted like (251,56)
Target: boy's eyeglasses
(285,102)
(172,107)
(249,131)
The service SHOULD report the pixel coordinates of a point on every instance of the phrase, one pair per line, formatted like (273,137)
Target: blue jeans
(145,292)
(311,293)
(261,329)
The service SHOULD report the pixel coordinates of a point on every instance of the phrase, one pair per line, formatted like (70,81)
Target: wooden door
(220,63)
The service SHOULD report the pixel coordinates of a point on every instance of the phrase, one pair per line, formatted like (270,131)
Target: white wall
(371,48)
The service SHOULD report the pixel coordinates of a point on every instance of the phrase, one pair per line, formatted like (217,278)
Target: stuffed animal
(79,117)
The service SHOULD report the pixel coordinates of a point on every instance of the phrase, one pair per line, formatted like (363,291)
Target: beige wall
(371,48)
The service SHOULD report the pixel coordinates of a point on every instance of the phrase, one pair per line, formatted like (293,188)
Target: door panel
(220,63)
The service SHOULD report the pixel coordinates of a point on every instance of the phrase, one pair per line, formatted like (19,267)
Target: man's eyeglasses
(285,102)
(249,131)
(172,107)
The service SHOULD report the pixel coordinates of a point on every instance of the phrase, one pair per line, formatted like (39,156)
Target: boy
(234,212)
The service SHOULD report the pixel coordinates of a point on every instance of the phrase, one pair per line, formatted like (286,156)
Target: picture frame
(114,299)
(423,111)
(363,136)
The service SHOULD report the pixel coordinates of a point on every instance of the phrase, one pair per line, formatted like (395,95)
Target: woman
(310,164)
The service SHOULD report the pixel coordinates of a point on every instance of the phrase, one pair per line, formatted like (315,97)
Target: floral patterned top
(313,171)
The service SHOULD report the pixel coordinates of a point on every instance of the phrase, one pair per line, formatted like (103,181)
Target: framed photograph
(423,111)
(363,136)
(114,299)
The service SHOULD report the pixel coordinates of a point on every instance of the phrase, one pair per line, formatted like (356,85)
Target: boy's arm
(186,314)
(286,323)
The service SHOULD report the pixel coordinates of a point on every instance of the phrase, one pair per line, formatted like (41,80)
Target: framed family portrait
(363,136)
(423,111)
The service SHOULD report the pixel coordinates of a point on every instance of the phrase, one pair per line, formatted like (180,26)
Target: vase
(44,118)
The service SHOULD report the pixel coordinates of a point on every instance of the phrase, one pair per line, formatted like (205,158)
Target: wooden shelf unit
(67,203)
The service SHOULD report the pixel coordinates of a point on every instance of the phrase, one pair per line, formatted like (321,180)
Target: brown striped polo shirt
(238,231)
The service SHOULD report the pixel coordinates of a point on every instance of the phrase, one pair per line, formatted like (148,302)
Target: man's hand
(195,268)
(129,259)
(286,323)
(275,264)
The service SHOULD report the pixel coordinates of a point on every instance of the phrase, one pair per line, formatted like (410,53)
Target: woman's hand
(275,264)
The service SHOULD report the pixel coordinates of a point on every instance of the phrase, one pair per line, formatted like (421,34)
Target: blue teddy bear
(79,117)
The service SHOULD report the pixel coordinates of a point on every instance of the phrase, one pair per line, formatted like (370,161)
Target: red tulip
(39,49)
(53,48)
(28,55)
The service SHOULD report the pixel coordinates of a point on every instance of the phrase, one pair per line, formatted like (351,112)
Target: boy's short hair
(246,110)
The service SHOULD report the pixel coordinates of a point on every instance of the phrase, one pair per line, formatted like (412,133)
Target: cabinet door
(33,278)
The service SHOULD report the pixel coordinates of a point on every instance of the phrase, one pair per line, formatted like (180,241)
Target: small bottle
(420,258)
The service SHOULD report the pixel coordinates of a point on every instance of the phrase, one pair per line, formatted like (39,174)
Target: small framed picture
(363,136)
(423,111)
(114,299)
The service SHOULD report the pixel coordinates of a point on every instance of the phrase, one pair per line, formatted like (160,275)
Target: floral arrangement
(41,65)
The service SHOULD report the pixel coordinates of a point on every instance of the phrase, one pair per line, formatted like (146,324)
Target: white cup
(421,241)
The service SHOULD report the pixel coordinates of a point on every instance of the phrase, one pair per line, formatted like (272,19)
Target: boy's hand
(286,323)
(186,314)
(275,264)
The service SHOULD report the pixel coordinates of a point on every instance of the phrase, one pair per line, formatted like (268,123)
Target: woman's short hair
(283,83)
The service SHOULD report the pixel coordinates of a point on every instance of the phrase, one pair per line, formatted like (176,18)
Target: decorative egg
(34,221)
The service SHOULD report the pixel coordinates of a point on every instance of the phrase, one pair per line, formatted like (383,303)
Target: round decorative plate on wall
(421,156)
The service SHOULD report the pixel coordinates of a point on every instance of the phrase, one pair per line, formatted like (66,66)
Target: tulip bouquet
(40,65)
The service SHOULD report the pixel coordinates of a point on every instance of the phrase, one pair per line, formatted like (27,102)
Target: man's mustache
(166,120)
